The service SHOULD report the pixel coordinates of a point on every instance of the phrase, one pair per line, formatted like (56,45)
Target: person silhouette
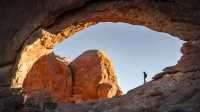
(145,76)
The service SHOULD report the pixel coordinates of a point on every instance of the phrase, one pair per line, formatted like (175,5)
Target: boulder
(89,77)
(49,74)
(94,77)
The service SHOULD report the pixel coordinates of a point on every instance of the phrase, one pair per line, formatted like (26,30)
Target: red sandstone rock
(94,77)
(176,17)
(89,77)
(52,75)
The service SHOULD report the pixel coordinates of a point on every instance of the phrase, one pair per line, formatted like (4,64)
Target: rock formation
(29,29)
(51,75)
(89,77)
(94,77)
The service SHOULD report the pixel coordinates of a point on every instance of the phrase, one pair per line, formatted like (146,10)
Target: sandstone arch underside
(30,29)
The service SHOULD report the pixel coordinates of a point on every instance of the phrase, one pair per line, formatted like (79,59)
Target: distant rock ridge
(89,77)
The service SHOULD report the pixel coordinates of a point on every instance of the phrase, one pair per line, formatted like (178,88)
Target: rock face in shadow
(189,61)
(89,77)
(171,93)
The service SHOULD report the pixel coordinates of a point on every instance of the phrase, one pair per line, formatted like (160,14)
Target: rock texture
(32,52)
(43,24)
(172,93)
(94,77)
(30,29)
(89,77)
(49,75)
(11,100)
(189,61)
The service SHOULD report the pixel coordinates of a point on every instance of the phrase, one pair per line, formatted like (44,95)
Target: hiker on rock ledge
(145,76)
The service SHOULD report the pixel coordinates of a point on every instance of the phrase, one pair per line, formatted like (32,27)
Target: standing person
(145,76)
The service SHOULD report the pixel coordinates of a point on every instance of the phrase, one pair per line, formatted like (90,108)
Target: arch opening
(133,49)
(43,24)
(141,35)
(66,24)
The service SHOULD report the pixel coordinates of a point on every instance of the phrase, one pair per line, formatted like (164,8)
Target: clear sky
(132,49)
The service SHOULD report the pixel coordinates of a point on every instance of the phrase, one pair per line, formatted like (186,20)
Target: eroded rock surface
(89,77)
(171,93)
(94,77)
(189,61)
(21,20)
(49,75)
(61,19)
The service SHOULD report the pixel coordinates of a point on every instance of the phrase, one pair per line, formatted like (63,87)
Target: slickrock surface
(178,92)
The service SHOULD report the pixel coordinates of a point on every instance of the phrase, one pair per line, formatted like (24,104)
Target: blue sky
(132,49)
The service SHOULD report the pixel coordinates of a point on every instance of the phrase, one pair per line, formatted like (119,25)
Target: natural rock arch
(58,27)
(27,26)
